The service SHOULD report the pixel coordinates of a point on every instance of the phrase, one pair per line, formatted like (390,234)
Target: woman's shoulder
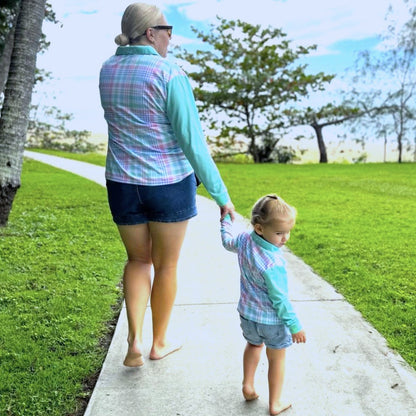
(171,67)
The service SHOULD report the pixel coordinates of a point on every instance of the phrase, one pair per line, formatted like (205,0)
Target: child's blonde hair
(270,208)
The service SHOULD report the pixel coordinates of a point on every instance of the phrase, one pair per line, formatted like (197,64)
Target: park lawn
(61,263)
(94,158)
(356,228)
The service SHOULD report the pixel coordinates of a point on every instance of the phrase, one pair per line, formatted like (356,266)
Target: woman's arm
(183,115)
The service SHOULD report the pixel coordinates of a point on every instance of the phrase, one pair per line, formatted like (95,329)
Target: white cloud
(86,38)
(317,21)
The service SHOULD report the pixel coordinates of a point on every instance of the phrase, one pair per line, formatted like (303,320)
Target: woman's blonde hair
(136,19)
(270,208)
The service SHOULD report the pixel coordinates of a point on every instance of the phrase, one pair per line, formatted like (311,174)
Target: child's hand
(299,337)
(229,209)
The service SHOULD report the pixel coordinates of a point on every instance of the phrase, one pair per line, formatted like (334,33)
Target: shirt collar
(263,243)
(136,50)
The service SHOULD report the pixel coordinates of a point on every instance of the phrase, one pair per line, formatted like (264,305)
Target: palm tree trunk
(17,97)
(7,52)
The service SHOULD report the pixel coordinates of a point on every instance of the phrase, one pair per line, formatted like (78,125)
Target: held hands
(299,337)
(228,208)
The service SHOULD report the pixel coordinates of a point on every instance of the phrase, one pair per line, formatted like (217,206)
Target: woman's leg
(167,239)
(252,354)
(136,284)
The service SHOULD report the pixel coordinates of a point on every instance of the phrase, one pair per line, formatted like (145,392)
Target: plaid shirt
(263,279)
(154,132)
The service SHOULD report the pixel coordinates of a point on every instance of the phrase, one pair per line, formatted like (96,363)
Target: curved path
(344,369)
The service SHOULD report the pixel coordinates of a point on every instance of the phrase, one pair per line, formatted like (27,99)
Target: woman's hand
(228,208)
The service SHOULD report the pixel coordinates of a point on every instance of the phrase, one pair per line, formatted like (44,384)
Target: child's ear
(258,229)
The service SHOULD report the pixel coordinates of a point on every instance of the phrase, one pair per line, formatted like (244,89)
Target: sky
(84,39)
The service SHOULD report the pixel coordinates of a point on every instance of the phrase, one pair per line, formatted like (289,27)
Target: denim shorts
(276,336)
(137,204)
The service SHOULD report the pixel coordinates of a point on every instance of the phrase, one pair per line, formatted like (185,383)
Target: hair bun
(121,39)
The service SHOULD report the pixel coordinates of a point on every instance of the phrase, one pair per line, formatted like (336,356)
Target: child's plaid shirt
(263,279)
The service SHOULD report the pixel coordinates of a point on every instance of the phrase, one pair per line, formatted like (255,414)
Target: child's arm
(229,242)
(276,279)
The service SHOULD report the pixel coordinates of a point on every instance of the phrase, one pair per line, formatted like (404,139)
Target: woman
(155,145)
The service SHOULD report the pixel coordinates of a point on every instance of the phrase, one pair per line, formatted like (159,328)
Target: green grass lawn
(356,228)
(95,158)
(61,262)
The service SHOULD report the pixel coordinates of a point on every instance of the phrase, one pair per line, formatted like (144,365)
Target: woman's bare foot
(162,352)
(280,408)
(249,393)
(134,356)
(133,359)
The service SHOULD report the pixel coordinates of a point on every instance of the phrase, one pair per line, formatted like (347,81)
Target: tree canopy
(328,115)
(246,76)
(389,99)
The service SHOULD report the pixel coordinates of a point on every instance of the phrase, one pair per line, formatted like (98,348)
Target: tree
(391,73)
(328,115)
(8,17)
(52,132)
(248,74)
(17,98)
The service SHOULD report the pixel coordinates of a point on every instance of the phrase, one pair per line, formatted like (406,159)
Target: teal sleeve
(276,282)
(184,118)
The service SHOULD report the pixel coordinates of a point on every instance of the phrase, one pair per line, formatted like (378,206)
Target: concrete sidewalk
(344,369)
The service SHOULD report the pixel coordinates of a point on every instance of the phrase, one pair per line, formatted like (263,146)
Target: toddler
(266,314)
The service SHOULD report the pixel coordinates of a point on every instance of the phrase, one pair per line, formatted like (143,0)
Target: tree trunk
(400,147)
(414,153)
(7,54)
(253,150)
(17,98)
(323,158)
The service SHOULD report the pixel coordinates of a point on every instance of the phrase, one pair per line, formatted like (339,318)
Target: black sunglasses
(162,27)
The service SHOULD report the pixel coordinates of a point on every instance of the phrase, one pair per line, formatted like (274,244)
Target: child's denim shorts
(137,204)
(276,337)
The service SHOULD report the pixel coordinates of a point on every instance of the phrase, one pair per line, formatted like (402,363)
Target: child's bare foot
(249,393)
(280,408)
(134,356)
(162,352)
